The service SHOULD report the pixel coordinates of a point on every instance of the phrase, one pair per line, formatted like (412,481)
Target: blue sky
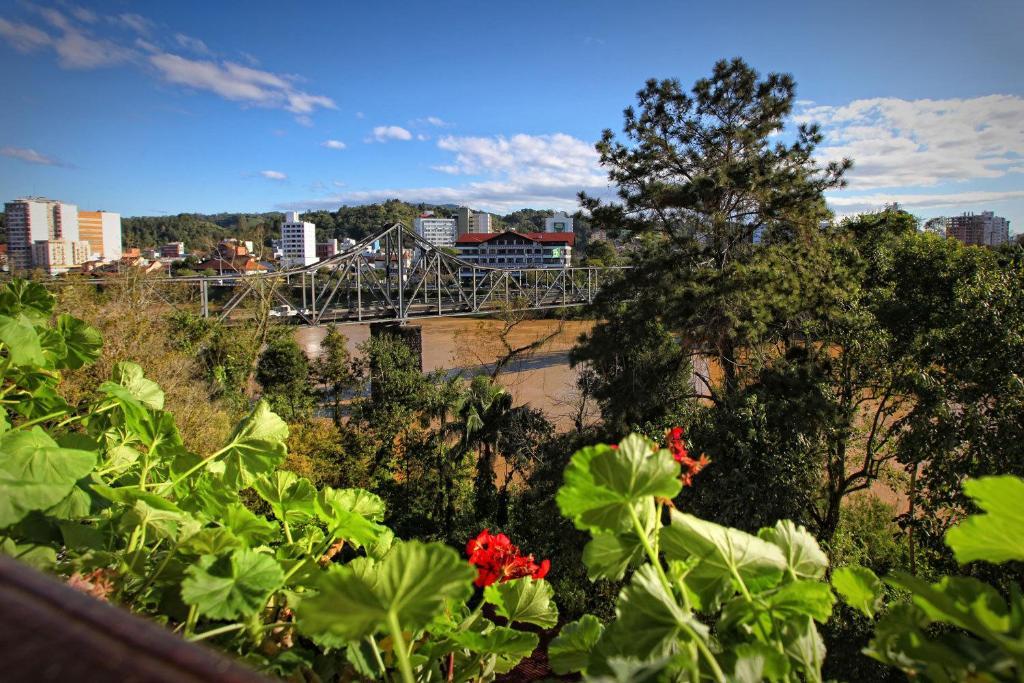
(161,107)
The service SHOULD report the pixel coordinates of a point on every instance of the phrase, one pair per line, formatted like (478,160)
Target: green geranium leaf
(607,556)
(804,556)
(231,586)
(723,550)
(36,473)
(902,639)
(256,447)
(411,585)
(859,588)
(507,645)
(22,342)
(603,484)
(756,662)
(23,297)
(290,497)
(252,529)
(332,507)
(995,536)
(83,343)
(41,557)
(807,598)
(964,602)
(524,600)
(76,505)
(650,620)
(804,646)
(570,651)
(80,536)
(53,346)
(210,541)
(45,402)
(361,502)
(145,391)
(163,519)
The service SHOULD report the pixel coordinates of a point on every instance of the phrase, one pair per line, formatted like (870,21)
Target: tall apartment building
(298,242)
(985,228)
(102,230)
(37,219)
(560,222)
(441,232)
(470,222)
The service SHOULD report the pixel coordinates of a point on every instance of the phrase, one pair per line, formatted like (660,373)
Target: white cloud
(422,138)
(333,144)
(273,175)
(192,44)
(435,121)
(360,115)
(238,83)
(135,22)
(509,173)
(23,37)
(898,143)
(385,133)
(143,44)
(77,48)
(29,156)
(83,14)
(80,51)
(912,200)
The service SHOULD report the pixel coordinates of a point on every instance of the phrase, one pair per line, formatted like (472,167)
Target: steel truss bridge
(367,284)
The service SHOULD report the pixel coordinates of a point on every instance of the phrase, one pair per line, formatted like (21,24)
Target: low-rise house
(517,249)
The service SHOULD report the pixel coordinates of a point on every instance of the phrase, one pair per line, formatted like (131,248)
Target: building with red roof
(517,249)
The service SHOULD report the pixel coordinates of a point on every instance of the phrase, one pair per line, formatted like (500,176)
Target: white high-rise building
(441,232)
(298,242)
(34,219)
(560,222)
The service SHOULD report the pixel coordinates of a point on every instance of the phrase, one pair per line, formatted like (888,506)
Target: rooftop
(551,237)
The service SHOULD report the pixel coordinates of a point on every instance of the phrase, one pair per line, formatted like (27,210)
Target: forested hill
(202,231)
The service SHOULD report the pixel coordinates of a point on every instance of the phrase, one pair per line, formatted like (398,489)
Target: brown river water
(470,345)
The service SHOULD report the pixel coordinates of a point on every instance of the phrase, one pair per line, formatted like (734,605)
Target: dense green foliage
(308,581)
(106,494)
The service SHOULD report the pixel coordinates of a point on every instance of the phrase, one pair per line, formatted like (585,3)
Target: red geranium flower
(496,559)
(677,446)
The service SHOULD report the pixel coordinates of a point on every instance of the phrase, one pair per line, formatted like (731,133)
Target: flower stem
(217,631)
(716,670)
(376,655)
(401,648)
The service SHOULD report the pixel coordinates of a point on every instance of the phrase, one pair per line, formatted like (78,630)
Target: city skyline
(155,109)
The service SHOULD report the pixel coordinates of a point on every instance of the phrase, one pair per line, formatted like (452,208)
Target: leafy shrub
(958,628)
(107,495)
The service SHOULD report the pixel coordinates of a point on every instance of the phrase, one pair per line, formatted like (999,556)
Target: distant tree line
(203,231)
